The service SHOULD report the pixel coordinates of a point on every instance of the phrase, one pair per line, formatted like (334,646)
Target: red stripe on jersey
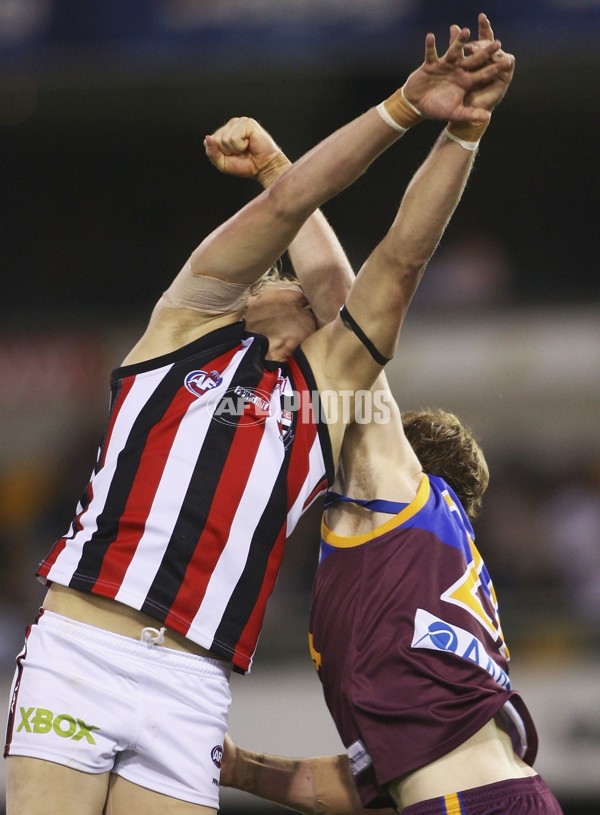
(305,434)
(246,644)
(232,484)
(49,562)
(76,526)
(141,496)
(318,490)
(151,466)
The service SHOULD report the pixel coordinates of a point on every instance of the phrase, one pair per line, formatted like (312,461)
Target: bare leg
(38,787)
(125,798)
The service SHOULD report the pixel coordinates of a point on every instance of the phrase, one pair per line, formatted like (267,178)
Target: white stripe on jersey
(142,389)
(171,490)
(231,564)
(316,465)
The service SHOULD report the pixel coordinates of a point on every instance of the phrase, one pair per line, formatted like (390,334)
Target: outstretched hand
(441,87)
(242,147)
(491,94)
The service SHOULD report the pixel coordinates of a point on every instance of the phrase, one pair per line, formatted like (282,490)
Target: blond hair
(446,448)
(274,274)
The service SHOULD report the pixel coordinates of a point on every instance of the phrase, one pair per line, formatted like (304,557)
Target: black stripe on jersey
(199,496)
(206,347)
(94,551)
(246,593)
(319,411)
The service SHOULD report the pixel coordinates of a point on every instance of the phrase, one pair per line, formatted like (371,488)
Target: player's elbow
(288,200)
(403,276)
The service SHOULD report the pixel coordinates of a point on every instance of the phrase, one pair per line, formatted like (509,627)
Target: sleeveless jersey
(406,638)
(210,457)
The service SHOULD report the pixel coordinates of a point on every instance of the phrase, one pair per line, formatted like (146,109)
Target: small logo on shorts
(217,755)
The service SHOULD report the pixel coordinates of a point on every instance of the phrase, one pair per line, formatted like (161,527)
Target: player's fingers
(235,135)
(485,28)
(494,69)
(455,49)
(226,128)
(431,55)
(213,152)
(479,53)
(210,145)
(454,32)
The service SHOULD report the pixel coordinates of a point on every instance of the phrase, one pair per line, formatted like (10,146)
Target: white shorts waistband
(118,643)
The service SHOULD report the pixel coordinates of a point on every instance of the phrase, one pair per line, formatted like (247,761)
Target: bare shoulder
(377,459)
(172,328)
(339,359)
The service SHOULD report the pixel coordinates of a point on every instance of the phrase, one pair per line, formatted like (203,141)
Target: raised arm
(385,285)
(238,252)
(388,280)
(318,259)
(250,241)
(315,786)
(243,148)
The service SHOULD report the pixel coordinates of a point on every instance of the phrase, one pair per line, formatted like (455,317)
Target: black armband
(351,323)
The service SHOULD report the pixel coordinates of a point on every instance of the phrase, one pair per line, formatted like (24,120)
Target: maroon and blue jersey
(406,638)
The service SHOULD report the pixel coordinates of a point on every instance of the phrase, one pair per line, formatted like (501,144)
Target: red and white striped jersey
(210,457)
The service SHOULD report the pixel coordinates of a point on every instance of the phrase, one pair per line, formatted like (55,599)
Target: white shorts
(98,701)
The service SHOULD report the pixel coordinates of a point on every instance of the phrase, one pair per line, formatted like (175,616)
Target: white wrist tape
(396,109)
(468,145)
(414,109)
(388,119)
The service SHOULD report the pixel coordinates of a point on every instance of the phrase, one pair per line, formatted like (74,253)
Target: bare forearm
(284,781)
(322,267)
(391,275)
(335,163)
(244,247)
(318,259)
(314,786)
(429,202)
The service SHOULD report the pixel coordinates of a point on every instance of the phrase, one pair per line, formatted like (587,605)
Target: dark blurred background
(106,190)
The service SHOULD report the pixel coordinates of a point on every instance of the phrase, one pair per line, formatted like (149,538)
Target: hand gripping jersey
(210,457)
(405,635)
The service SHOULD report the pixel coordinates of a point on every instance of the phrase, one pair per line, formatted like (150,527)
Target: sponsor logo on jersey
(41,720)
(199,382)
(439,635)
(248,407)
(249,404)
(217,756)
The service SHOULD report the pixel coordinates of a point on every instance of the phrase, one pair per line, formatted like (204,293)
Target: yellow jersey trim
(452,804)
(349,541)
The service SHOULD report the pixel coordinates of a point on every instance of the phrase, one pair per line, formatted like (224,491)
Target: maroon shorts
(519,796)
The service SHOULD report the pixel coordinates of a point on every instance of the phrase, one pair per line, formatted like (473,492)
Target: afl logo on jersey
(199,382)
(217,755)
